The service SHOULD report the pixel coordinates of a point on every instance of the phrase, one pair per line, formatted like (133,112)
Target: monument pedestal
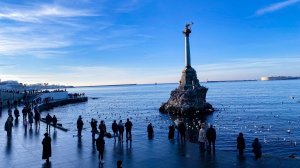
(189,98)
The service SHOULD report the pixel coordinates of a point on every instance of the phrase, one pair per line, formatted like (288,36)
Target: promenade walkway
(24,149)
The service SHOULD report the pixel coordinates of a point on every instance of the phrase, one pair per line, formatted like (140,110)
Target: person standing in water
(150,131)
(114,128)
(54,121)
(121,130)
(256,149)
(79,126)
(100,143)
(128,126)
(240,144)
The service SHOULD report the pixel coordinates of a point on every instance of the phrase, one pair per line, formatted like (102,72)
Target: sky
(99,42)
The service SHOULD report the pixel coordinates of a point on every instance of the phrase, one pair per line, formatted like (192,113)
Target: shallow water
(268,110)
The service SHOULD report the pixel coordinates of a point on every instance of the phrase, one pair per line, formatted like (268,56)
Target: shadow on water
(54,135)
(8,145)
(16,123)
(30,132)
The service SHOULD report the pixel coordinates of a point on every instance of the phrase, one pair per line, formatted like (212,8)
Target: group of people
(209,137)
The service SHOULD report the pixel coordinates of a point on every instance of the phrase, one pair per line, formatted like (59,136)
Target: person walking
(48,122)
(114,128)
(54,121)
(100,143)
(102,128)
(202,138)
(16,113)
(211,137)
(46,147)
(79,126)
(9,111)
(150,131)
(128,126)
(256,148)
(240,144)
(121,130)
(171,132)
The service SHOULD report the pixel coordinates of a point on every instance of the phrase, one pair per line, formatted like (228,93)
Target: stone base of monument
(189,98)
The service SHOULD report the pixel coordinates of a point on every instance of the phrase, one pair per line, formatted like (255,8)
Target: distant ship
(264,78)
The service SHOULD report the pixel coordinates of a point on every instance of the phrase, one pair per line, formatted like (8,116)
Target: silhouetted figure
(119,164)
(16,113)
(94,129)
(202,138)
(48,122)
(182,129)
(100,143)
(54,121)
(150,131)
(46,147)
(240,144)
(171,132)
(121,130)
(128,126)
(37,118)
(79,126)
(102,128)
(114,128)
(8,125)
(30,119)
(256,148)
(24,112)
(211,137)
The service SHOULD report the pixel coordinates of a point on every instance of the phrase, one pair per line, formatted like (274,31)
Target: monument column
(186,33)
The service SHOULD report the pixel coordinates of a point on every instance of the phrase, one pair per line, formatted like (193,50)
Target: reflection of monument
(190,96)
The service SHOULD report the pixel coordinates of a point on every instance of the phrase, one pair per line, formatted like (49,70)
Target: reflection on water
(258,109)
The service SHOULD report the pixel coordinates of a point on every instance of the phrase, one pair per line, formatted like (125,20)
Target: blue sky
(91,42)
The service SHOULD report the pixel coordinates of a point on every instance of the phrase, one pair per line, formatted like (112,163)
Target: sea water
(268,110)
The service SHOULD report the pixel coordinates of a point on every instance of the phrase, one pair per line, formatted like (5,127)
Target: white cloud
(40,13)
(276,6)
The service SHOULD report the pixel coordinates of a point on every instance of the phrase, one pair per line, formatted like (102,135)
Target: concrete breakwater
(50,105)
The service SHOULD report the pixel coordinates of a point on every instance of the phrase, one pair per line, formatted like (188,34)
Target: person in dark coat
(24,112)
(211,137)
(100,143)
(48,122)
(46,147)
(240,144)
(121,130)
(94,129)
(102,128)
(114,128)
(54,121)
(8,125)
(79,126)
(256,148)
(16,113)
(150,131)
(128,126)
(181,129)
(171,132)
(37,118)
